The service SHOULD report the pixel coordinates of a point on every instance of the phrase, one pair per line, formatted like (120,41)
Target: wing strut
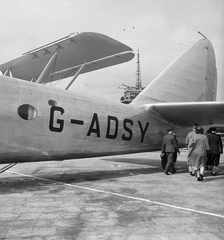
(7,167)
(42,75)
(76,75)
(8,72)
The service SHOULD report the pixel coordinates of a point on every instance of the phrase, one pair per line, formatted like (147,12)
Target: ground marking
(120,195)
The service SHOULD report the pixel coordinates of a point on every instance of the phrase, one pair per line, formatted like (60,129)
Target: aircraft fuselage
(42,123)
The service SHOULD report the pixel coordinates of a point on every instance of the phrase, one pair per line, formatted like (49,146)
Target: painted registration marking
(113,124)
(78,122)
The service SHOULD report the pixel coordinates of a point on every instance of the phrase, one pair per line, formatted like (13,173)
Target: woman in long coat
(198,153)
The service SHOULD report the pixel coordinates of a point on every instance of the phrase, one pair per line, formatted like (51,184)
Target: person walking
(169,147)
(175,155)
(187,142)
(207,166)
(197,156)
(216,148)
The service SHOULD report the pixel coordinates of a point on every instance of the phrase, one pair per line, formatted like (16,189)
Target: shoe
(201,177)
(198,179)
(167,173)
(214,174)
(192,174)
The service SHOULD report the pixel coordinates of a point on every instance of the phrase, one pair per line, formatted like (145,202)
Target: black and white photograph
(112,120)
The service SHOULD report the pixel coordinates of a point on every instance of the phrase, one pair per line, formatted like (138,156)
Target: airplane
(43,123)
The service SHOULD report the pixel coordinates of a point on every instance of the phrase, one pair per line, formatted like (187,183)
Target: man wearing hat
(216,148)
(169,147)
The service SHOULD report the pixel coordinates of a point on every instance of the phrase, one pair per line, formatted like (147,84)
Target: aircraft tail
(191,77)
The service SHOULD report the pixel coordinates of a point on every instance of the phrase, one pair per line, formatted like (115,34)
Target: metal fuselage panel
(69,125)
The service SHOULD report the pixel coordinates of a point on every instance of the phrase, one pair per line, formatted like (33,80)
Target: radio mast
(138,74)
(131,92)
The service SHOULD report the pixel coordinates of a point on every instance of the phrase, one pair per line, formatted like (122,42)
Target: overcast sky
(160,29)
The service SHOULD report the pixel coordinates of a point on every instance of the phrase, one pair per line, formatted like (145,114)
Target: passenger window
(27,112)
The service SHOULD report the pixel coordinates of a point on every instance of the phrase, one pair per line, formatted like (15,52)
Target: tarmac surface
(110,198)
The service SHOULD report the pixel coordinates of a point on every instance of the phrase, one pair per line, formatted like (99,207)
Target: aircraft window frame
(27,112)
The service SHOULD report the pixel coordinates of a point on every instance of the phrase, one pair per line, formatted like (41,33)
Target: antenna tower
(138,74)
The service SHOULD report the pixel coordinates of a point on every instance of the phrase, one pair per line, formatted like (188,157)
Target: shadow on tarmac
(17,184)
(12,184)
(180,166)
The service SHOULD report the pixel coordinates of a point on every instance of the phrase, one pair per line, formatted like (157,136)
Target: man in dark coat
(170,147)
(216,148)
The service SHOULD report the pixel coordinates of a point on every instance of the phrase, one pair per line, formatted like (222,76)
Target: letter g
(60,122)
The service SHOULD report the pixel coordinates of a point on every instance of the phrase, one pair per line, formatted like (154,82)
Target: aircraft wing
(186,114)
(64,57)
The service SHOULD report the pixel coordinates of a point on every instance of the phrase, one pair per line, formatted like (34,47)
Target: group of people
(203,151)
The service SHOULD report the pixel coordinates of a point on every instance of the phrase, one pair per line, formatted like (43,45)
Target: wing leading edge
(186,114)
(64,57)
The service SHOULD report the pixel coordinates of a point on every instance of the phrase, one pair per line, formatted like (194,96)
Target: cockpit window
(27,112)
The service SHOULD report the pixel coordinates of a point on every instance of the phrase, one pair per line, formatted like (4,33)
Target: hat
(169,129)
(195,126)
(213,129)
(200,130)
